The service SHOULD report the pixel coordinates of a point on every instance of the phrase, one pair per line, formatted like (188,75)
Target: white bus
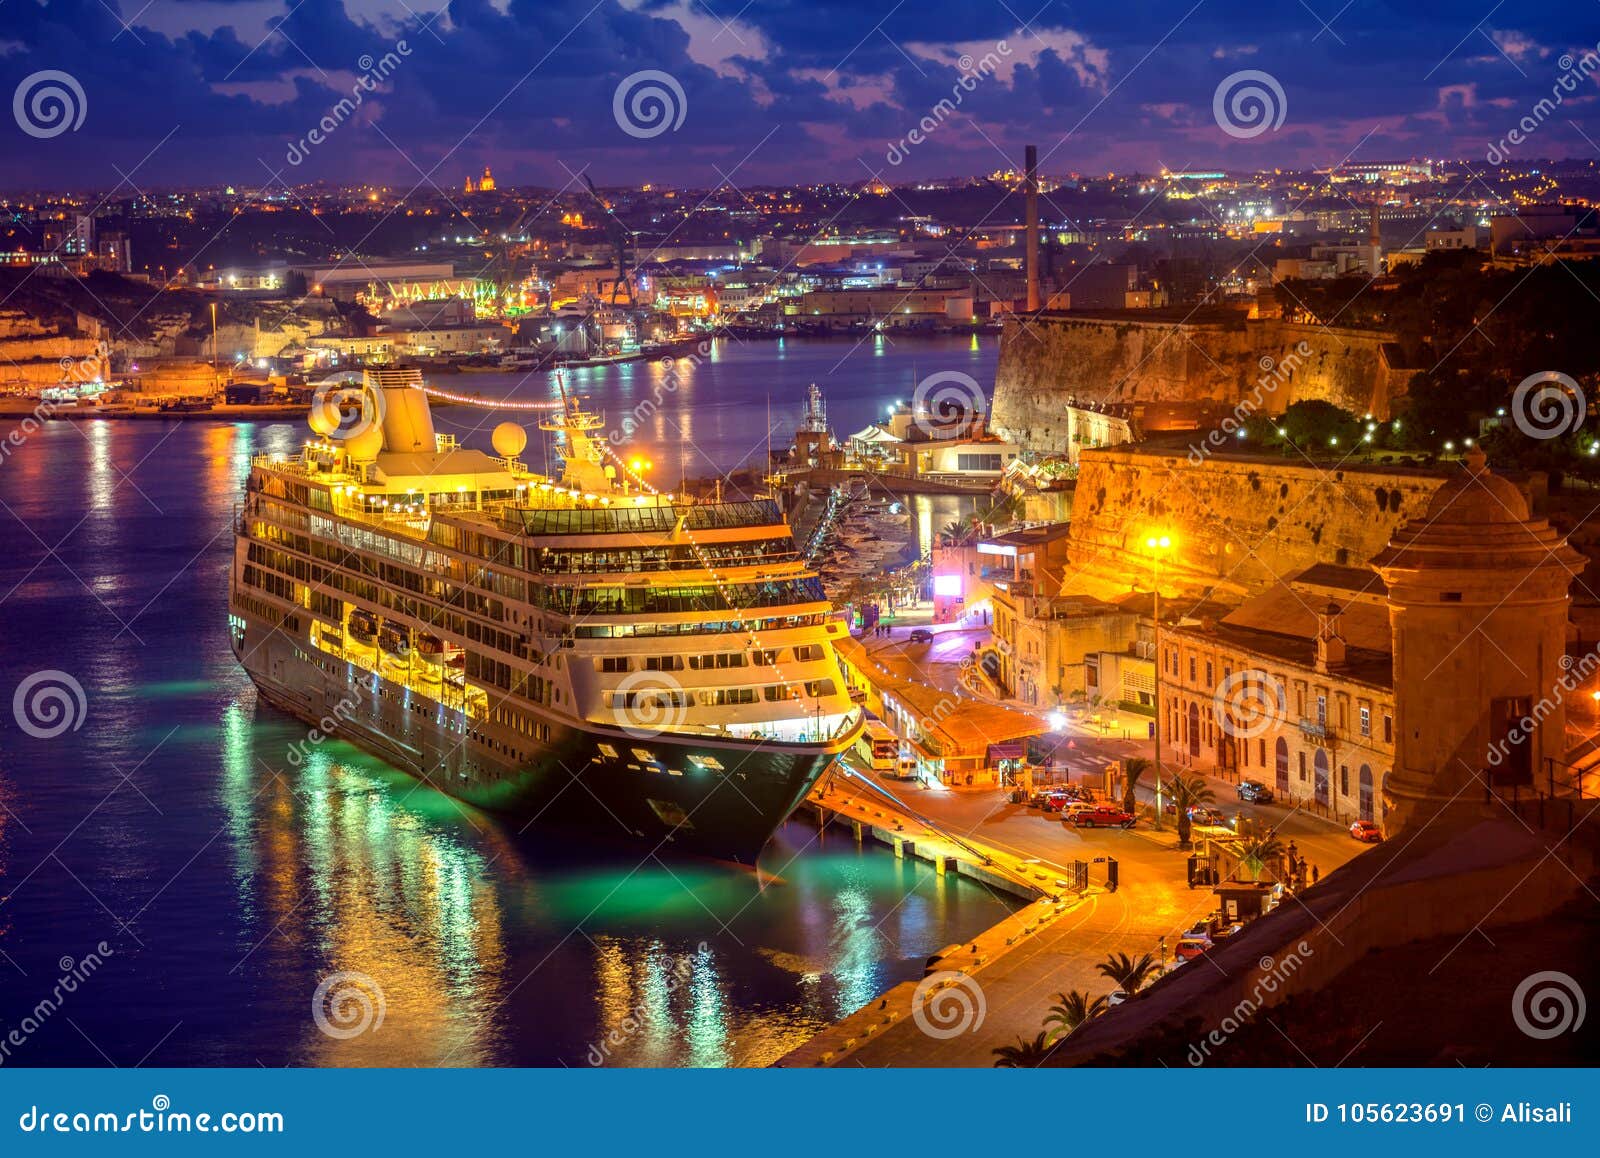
(878,747)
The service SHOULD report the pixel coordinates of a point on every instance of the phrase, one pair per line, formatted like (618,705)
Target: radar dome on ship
(365,445)
(324,416)
(509,440)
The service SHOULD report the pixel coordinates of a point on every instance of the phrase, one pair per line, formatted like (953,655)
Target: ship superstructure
(572,646)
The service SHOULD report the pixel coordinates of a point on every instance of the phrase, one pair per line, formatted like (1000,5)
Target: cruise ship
(574,648)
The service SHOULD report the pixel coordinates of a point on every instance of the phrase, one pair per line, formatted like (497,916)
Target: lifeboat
(395,642)
(363,627)
(429,649)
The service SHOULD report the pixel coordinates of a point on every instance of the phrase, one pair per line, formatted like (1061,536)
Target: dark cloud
(794,90)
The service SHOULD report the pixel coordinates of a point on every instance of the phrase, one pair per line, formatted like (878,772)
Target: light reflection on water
(229,880)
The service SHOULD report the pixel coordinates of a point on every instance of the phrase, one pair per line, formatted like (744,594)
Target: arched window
(1365,782)
(1320,768)
(1281,755)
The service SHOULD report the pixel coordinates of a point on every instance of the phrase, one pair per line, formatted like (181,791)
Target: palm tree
(1258,853)
(1072,1010)
(1129,973)
(1133,769)
(1025,1055)
(1187,792)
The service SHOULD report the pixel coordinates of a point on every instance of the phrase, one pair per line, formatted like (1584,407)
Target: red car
(1366,831)
(1191,945)
(1103,815)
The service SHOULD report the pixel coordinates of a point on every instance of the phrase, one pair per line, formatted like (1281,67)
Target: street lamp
(1158,546)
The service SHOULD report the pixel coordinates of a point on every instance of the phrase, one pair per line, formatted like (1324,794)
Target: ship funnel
(407,418)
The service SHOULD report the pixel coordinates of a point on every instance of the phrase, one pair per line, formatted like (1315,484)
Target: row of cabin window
(659,698)
(714,661)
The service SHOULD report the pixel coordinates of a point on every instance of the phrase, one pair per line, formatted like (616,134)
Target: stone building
(1478,598)
(1294,688)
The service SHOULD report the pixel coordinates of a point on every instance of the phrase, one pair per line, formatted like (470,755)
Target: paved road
(1152,902)
(1084,750)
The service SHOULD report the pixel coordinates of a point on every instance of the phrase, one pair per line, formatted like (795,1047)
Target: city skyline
(271,93)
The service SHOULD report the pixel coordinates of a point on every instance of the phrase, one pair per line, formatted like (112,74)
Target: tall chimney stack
(1031,182)
(1374,243)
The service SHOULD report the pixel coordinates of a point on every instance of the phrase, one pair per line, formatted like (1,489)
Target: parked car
(1055,801)
(1366,831)
(1072,808)
(1116,997)
(1103,815)
(920,635)
(1255,792)
(1205,814)
(1191,946)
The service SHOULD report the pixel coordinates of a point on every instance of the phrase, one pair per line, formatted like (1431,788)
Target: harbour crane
(621,246)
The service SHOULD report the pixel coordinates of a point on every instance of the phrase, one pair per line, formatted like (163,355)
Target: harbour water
(189,878)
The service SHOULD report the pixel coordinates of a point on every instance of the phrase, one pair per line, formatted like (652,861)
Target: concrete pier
(869,818)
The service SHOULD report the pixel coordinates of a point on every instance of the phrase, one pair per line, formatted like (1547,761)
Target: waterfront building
(956,741)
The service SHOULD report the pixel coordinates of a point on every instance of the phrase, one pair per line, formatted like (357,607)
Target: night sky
(179,92)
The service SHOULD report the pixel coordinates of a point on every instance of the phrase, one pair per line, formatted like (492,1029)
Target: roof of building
(1362,665)
(1477,495)
(875,433)
(1332,577)
(1283,621)
(1031,536)
(966,726)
